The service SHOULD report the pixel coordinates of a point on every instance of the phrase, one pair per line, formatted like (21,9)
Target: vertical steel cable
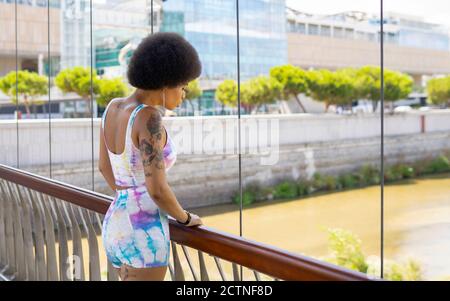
(382,136)
(239,122)
(17,86)
(49,99)
(151,16)
(92,95)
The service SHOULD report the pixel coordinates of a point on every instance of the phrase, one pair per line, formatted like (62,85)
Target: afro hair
(163,59)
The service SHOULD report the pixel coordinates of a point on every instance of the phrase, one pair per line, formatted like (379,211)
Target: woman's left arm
(104,165)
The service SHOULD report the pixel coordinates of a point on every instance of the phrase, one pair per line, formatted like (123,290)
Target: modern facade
(119,26)
(211,27)
(351,39)
(32,42)
(32,37)
(270,34)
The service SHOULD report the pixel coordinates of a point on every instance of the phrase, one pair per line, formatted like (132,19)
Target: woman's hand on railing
(195,220)
(191,220)
(67,199)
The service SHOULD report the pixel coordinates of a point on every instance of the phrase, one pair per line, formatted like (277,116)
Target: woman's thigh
(128,273)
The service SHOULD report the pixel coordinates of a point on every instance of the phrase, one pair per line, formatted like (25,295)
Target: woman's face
(175,96)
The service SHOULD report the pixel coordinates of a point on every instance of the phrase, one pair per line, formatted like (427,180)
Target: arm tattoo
(150,149)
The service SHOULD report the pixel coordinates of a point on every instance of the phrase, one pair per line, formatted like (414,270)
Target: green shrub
(266,193)
(440,164)
(407,172)
(285,190)
(347,181)
(410,270)
(247,198)
(345,250)
(330,183)
(358,178)
(369,175)
(397,172)
(259,192)
(366,175)
(388,176)
(420,166)
(392,173)
(318,183)
(304,188)
(323,182)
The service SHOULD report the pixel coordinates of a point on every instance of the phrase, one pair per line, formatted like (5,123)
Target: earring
(164,98)
(163,109)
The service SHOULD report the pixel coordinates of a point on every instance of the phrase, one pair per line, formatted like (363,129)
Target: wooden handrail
(248,253)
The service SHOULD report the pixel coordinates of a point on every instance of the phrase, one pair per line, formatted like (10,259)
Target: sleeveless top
(127,167)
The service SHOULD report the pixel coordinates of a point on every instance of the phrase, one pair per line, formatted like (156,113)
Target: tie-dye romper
(135,230)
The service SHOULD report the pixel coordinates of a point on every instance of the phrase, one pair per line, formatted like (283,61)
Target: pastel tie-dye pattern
(135,230)
(127,166)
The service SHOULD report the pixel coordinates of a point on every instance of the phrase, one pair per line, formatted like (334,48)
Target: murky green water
(416,222)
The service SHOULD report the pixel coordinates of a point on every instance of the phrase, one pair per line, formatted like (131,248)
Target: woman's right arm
(151,136)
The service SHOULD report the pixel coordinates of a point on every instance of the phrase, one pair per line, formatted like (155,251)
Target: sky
(436,11)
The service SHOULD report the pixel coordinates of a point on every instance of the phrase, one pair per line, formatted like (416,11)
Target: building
(32,37)
(208,24)
(351,39)
(117,28)
(211,28)
(32,42)
(271,34)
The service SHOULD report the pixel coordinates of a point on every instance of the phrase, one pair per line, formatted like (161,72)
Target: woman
(135,153)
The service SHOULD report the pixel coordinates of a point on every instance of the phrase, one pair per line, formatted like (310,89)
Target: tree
(346,250)
(438,90)
(30,86)
(246,93)
(397,86)
(110,89)
(78,80)
(226,93)
(261,90)
(368,84)
(332,88)
(352,73)
(193,91)
(293,81)
(345,86)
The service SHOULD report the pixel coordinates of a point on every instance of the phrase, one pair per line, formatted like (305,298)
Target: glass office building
(37,3)
(210,26)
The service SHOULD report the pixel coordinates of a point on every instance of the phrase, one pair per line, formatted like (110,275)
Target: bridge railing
(51,230)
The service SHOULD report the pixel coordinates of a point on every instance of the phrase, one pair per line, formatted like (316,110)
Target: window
(301,28)
(313,29)
(338,32)
(325,30)
(349,33)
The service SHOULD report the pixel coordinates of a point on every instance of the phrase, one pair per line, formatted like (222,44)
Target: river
(416,221)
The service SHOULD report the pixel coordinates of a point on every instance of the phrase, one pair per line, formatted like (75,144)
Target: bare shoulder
(116,100)
(149,122)
(116,104)
(120,102)
(149,117)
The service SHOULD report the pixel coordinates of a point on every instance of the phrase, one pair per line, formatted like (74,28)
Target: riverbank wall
(273,148)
